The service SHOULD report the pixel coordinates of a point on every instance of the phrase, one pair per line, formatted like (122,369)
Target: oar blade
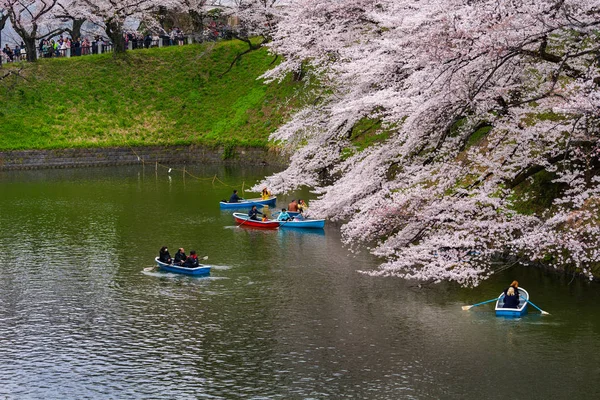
(465,308)
(539,309)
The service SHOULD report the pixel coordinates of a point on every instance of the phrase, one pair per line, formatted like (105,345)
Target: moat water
(284,314)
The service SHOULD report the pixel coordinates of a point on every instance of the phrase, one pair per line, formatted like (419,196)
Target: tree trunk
(114,30)
(31,49)
(198,22)
(75,31)
(29,40)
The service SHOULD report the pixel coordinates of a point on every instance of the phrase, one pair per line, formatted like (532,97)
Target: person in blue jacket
(253,213)
(283,215)
(511,299)
(234,197)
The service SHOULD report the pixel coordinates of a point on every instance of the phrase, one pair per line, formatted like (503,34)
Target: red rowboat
(244,220)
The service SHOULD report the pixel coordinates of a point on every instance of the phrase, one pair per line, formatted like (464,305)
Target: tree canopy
(438,119)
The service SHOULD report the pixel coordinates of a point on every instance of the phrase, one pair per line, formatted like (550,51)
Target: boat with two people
(245,220)
(507,306)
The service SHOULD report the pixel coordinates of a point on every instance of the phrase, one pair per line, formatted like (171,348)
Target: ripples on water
(283,314)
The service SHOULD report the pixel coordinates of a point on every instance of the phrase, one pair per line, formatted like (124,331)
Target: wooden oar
(284,222)
(247,219)
(465,308)
(539,309)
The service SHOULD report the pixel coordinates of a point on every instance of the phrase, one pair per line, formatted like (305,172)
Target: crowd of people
(17,53)
(66,46)
(73,47)
(175,37)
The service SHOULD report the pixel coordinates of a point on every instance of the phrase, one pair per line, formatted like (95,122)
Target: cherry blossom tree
(3,19)
(111,15)
(473,102)
(70,11)
(31,21)
(258,20)
(197,10)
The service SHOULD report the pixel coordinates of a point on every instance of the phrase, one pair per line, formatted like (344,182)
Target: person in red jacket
(191,261)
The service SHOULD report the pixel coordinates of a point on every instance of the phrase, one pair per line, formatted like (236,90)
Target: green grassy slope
(156,96)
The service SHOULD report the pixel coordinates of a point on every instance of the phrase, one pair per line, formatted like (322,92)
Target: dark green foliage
(476,136)
(228,151)
(365,133)
(535,195)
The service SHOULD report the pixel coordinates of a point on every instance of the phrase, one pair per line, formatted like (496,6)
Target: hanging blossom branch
(475,100)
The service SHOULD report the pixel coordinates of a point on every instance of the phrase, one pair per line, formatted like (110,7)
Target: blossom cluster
(476,101)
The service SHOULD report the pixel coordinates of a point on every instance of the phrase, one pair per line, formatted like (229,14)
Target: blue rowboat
(513,312)
(300,221)
(247,203)
(291,214)
(199,270)
(303,224)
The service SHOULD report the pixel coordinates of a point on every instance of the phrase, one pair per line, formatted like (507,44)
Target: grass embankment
(167,96)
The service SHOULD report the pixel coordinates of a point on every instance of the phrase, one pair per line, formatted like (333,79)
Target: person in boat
(293,206)
(234,197)
(164,256)
(179,256)
(253,213)
(264,218)
(266,211)
(511,298)
(265,195)
(302,206)
(283,215)
(191,261)
(515,286)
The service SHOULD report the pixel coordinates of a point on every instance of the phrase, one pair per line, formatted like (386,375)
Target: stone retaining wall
(92,157)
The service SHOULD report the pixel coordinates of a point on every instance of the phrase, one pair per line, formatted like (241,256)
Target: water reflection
(283,314)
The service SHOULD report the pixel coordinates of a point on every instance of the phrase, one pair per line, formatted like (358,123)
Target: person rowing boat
(234,197)
(253,213)
(191,261)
